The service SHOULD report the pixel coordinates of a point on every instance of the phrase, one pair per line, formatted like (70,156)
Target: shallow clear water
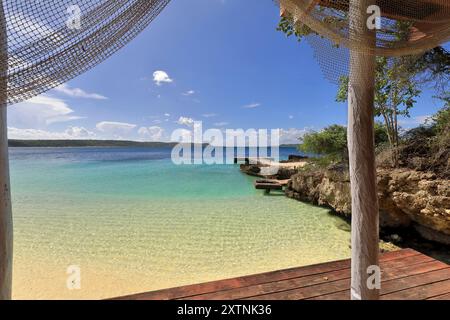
(132,221)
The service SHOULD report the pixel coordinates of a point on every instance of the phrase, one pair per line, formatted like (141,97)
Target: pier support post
(6,229)
(362,157)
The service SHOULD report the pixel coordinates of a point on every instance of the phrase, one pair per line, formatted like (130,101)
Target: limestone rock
(406,197)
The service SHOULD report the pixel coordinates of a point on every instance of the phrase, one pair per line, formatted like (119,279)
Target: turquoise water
(130,178)
(133,221)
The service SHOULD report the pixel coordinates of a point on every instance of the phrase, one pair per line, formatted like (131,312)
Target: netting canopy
(50,42)
(389,28)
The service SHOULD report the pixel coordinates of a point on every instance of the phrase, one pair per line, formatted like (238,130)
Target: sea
(94,223)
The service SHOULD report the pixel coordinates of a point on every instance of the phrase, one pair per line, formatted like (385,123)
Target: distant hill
(86,143)
(98,143)
(288,145)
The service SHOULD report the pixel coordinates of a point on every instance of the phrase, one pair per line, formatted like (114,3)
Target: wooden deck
(406,274)
(270,184)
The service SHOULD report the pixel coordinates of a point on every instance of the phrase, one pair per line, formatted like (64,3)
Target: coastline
(329,188)
(132,212)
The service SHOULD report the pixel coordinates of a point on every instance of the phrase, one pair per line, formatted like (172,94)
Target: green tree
(396,89)
(381,136)
(398,80)
(441,120)
(330,142)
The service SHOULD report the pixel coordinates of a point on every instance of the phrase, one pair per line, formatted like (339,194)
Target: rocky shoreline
(410,200)
(407,198)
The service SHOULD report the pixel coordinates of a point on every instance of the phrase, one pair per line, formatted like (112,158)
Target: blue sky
(217,61)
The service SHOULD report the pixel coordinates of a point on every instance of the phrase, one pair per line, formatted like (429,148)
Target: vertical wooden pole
(362,155)
(6,232)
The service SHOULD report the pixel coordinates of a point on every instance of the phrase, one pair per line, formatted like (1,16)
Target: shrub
(441,120)
(331,142)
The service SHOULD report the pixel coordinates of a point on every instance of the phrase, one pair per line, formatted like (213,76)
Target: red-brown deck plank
(441,297)
(208,287)
(306,281)
(415,281)
(420,293)
(410,287)
(406,274)
(391,274)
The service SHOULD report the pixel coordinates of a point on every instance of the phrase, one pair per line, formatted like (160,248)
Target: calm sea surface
(133,221)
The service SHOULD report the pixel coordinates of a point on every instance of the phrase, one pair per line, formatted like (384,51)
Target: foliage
(318,163)
(441,120)
(395,92)
(432,67)
(301,30)
(398,80)
(286,26)
(425,148)
(440,144)
(381,137)
(330,142)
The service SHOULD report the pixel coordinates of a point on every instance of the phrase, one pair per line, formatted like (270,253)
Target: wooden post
(6,231)
(362,156)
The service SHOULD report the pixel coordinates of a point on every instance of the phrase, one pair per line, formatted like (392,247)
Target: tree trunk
(391,133)
(362,157)
(5,194)
(396,155)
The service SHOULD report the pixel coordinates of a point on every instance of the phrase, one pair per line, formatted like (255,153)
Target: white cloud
(186,121)
(291,135)
(414,121)
(252,105)
(153,133)
(115,129)
(79,132)
(167,114)
(36,134)
(40,111)
(160,77)
(78,93)
(188,93)
(111,125)
(181,135)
